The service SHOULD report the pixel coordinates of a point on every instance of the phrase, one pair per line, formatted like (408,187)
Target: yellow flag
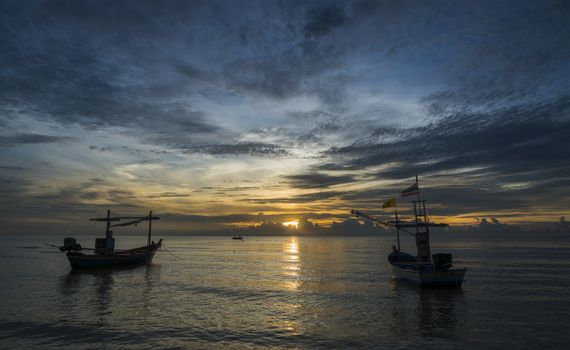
(389,203)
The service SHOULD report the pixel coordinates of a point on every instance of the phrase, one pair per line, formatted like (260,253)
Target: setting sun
(294,223)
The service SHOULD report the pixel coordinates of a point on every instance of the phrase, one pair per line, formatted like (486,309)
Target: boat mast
(108,232)
(422,228)
(149,225)
(397,229)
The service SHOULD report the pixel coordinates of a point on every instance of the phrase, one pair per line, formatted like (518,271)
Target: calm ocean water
(286,292)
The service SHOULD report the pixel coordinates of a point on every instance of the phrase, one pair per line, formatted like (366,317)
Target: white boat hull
(405,266)
(430,278)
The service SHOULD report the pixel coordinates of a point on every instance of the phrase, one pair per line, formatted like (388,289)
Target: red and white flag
(410,191)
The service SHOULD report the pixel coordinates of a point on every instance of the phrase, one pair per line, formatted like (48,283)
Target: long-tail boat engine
(70,244)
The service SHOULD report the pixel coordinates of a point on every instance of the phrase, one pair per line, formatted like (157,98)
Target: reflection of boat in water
(237,237)
(427,312)
(104,254)
(423,269)
(92,291)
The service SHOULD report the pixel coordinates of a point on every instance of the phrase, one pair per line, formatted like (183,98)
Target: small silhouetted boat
(104,254)
(423,269)
(237,237)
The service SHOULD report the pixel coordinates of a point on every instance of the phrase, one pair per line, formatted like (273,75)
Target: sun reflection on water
(291,282)
(291,266)
(292,247)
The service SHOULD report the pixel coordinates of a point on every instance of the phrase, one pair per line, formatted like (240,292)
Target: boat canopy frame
(134,221)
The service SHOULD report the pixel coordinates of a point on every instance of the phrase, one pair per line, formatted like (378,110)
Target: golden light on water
(292,264)
(292,247)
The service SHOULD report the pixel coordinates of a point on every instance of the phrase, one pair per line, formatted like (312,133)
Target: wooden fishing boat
(406,266)
(237,237)
(104,254)
(424,268)
(136,256)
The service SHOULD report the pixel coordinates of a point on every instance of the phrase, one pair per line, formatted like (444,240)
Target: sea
(287,293)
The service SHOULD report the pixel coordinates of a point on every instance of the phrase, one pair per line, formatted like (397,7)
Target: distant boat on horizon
(423,269)
(104,254)
(237,237)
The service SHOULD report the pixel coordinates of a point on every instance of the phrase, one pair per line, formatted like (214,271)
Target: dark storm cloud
(525,143)
(108,65)
(257,149)
(76,194)
(241,148)
(100,148)
(519,55)
(520,138)
(289,73)
(322,129)
(462,199)
(452,200)
(487,60)
(316,180)
(12,186)
(17,168)
(116,66)
(25,139)
(377,196)
(323,20)
(96,65)
(311,115)
(312,57)
(498,141)
(302,198)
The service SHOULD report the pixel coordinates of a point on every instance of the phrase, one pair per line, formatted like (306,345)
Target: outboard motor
(70,244)
(442,261)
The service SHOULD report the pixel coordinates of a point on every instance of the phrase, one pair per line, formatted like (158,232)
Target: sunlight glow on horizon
(294,223)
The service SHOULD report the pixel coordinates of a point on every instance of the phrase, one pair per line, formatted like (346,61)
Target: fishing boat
(423,268)
(237,237)
(104,254)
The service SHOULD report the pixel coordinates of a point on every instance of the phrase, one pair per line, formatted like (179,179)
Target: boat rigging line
(399,226)
(163,247)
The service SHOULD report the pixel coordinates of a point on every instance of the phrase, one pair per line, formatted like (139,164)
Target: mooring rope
(169,252)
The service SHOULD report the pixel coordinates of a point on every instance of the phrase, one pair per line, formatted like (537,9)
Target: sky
(225,114)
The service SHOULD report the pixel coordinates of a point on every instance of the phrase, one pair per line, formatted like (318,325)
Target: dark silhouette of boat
(135,256)
(237,237)
(423,269)
(104,254)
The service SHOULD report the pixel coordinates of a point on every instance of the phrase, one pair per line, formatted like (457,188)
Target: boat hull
(425,274)
(137,256)
(451,277)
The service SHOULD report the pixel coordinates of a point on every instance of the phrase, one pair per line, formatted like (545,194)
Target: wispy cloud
(26,139)
(316,180)
(240,148)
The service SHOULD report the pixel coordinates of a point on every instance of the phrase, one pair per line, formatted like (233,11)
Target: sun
(294,223)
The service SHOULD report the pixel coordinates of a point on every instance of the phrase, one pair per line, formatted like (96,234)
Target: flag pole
(397,229)
(418,185)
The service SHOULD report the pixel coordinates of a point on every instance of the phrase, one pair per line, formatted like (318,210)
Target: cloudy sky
(225,113)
